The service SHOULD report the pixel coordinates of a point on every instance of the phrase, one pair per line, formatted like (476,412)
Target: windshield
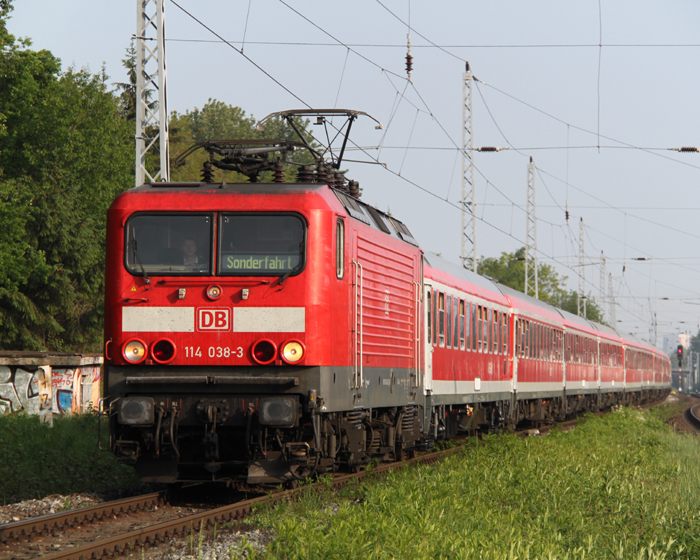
(261,244)
(169,244)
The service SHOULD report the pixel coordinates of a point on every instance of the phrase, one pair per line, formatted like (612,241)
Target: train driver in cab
(189,252)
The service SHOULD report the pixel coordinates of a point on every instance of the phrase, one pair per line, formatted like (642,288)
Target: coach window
(449,321)
(486,313)
(475,333)
(504,337)
(435,316)
(468,324)
(479,326)
(498,319)
(340,248)
(456,310)
(259,244)
(495,327)
(169,244)
(550,330)
(461,324)
(441,319)
(430,315)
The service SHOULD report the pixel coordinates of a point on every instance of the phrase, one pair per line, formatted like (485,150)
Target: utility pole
(469,258)
(531,281)
(151,123)
(582,272)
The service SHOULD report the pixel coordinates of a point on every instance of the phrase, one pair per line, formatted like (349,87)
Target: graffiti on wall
(44,390)
(26,388)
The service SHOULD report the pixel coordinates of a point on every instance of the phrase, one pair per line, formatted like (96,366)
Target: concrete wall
(49,384)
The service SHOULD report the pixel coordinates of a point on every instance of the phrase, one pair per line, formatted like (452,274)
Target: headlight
(292,351)
(278,411)
(163,351)
(264,351)
(136,411)
(214,292)
(134,351)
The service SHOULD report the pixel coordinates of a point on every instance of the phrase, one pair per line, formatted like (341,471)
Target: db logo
(214,319)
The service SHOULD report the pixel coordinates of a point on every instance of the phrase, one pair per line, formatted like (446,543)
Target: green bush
(38,460)
(622,486)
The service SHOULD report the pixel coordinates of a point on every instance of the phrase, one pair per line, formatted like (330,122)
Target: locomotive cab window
(169,244)
(261,244)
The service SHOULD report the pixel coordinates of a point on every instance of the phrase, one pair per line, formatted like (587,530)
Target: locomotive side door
(427,331)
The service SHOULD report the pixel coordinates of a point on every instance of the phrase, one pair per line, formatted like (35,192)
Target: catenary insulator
(689,149)
(278,173)
(305,174)
(354,189)
(207,173)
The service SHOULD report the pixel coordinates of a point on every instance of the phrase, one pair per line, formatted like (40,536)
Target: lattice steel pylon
(469,257)
(531,281)
(612,314)
(151,122)
(581,308)
(603,275)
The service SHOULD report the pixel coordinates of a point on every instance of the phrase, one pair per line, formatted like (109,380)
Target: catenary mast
(531,282)
(151,117)
(469,258)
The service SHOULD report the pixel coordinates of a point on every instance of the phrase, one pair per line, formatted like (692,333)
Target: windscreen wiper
(297,268)
(136,256)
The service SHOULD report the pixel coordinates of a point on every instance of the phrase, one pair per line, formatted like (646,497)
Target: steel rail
(46,524)
(692,416)
(162,532)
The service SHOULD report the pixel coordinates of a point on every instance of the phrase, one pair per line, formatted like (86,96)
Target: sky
(595,91)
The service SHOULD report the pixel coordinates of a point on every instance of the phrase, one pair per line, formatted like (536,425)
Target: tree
(65,152)
(509,269)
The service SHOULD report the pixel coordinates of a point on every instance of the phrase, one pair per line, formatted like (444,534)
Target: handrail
(359,329)
(417,325)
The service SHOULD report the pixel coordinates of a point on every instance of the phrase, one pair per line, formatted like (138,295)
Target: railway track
(26,531)
(15,535)
(692,416)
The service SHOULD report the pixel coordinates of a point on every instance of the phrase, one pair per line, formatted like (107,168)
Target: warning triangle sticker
(133,288)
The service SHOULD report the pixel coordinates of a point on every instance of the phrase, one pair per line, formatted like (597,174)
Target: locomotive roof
(227,188)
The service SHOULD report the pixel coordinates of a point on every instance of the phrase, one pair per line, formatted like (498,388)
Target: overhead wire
(387,72)
(432,46)
(239,51)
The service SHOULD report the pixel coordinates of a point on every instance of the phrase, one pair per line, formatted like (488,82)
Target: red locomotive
(270,331)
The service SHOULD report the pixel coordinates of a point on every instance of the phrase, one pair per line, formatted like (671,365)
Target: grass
(36,460)
(621,486)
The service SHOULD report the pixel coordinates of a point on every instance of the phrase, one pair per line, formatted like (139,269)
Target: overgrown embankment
(622,486)
(36,460)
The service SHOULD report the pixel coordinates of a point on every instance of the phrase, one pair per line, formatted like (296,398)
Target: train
(264,332)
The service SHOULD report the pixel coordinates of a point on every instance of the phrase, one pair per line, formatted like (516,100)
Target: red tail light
(163,351)
(264,351)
